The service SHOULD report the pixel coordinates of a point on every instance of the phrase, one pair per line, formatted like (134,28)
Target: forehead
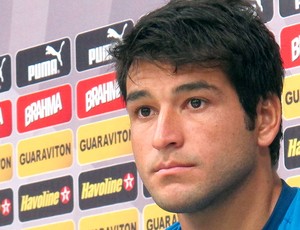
(148,79)
(142,70)
(140,67)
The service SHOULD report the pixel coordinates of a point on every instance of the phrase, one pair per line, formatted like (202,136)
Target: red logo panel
(290,46)
(98,95)
(5,118)
(44,108)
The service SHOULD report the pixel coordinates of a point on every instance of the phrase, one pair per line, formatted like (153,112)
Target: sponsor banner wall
(65,148)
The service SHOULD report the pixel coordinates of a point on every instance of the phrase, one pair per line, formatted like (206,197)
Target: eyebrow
(195,86)
(135,95)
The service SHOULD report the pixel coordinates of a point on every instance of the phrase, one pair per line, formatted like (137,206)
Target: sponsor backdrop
(65,153)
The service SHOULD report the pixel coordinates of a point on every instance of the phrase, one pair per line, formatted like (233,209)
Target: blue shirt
(286,214)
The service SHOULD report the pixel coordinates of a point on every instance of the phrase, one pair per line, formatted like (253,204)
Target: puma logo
(51,51)
(111,33)
(1,72)
(259,5)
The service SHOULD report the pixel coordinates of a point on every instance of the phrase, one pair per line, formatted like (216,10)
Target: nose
(168,130)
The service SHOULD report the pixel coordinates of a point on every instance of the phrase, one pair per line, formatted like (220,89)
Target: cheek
(218,137)
(141,136)
(140,146)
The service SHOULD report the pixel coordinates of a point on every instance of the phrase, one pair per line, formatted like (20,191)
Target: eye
(196,103)
(144,112)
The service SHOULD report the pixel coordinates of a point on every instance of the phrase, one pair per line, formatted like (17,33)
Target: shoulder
(175,226)
(292,217)
(295,205)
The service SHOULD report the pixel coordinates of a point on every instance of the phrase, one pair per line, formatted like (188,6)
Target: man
(202,81)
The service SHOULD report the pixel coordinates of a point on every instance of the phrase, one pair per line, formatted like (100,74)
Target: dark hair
(225,34)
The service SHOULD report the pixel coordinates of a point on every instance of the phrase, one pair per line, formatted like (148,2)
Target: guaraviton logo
(44,62)
(98,95)
(107,186)
(293,181)
(54,197)
(42,154)
(104,140)
(44,108)
(6,162)
(92,47)
(65,225)
(127,219)
(291,97)
(157,218)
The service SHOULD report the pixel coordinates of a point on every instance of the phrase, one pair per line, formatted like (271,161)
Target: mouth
(172,167)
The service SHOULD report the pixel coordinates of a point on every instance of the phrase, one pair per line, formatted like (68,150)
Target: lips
(169,166)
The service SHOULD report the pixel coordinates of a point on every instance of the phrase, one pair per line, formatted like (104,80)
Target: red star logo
(128,181)
(5,207)
(65,195)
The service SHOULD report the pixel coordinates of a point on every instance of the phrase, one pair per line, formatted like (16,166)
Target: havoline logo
(292,147)
(5,73)
(289,7)
(146,192)
(6,207)
(44,62)
(92,47)
(107,186)
(46,198)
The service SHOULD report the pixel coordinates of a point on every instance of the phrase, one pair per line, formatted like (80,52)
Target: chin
(176,208)
(183,203)
(174,205)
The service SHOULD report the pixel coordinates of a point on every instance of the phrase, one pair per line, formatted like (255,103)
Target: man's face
(189,136)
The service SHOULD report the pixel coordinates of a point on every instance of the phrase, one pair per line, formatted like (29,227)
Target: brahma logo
(289,7)
(44,108)
(43,62)
(54,197)
(107,186)
(290,46)
(92,47)
(5,118)
(98,95)
(292,147)
(5,73)
(6,207)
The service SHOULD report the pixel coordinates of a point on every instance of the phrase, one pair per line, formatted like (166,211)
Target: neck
(248,207)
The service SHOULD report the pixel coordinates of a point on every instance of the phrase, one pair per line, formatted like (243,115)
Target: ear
(268,119)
